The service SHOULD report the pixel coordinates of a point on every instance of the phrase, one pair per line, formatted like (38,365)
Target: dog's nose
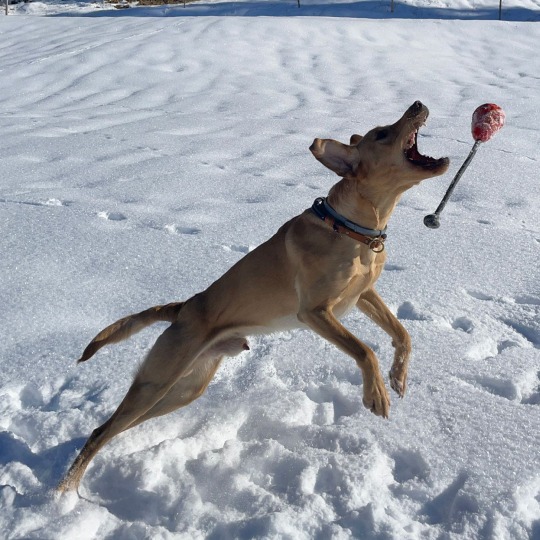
(416,109)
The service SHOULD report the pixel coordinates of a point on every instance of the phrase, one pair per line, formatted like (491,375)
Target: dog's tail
(130,325)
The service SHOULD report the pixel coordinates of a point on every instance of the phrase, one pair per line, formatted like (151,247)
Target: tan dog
(315,269)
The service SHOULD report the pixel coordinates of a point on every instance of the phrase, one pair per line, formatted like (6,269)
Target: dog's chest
(359,273)
(359,277)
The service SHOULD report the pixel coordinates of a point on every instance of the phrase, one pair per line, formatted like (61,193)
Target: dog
(313,271)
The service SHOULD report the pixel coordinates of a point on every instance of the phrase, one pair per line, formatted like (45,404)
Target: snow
(145,150)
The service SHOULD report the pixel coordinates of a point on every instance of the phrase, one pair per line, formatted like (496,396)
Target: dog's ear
(355,139)
(338,157)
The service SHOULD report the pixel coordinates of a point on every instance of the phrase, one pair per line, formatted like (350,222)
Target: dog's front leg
(374,307)
(323,322)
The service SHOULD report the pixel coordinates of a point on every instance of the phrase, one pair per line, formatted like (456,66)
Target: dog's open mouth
(419,160)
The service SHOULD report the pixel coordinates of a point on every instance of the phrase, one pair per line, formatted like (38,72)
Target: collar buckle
(377,244)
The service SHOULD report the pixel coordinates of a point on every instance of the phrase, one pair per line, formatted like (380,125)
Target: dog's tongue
(411,140)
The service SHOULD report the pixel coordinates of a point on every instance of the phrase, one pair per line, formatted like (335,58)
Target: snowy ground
(142,156)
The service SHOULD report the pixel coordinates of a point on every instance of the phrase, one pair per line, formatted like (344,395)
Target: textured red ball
(486,121)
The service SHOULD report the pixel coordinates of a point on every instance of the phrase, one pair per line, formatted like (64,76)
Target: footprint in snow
(256,200)
(532,397)
(528,300)
(488,347)
(237,248)
(301,185)
(393,267)
(477,295)
(526,391)
(409,465)
(407,311)
(176,229)
(531,332)
(504,388)
(49,202)
(55,202)
(332,404)
(483,349)
(449,506)
(112,216)
(464,324)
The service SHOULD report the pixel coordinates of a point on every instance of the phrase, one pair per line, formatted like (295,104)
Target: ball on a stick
(486,121)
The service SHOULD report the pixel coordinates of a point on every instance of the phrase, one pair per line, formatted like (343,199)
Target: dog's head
(387,155)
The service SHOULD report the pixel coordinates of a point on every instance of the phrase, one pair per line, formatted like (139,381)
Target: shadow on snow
(288,8)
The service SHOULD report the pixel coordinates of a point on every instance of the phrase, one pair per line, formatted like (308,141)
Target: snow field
(141,157)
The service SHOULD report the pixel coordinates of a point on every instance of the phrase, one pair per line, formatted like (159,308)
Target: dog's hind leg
(183,392)
(169,359)
(159,387)
(374,307)
(192,385)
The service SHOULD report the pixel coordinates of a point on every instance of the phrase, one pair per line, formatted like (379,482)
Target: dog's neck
(361,205)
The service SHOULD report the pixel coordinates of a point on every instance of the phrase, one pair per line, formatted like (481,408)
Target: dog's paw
(398,380)
(376,398)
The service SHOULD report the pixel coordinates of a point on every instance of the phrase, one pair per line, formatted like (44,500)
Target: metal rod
(432,220)
(457,177)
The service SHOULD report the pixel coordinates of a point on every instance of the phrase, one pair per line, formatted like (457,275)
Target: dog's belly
(281,324)
(291,322)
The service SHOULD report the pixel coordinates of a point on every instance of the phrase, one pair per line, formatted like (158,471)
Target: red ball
(486,121)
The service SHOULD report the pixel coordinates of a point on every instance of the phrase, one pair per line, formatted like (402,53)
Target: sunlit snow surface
(141,156)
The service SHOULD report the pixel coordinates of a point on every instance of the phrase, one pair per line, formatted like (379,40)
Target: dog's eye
(381,134)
